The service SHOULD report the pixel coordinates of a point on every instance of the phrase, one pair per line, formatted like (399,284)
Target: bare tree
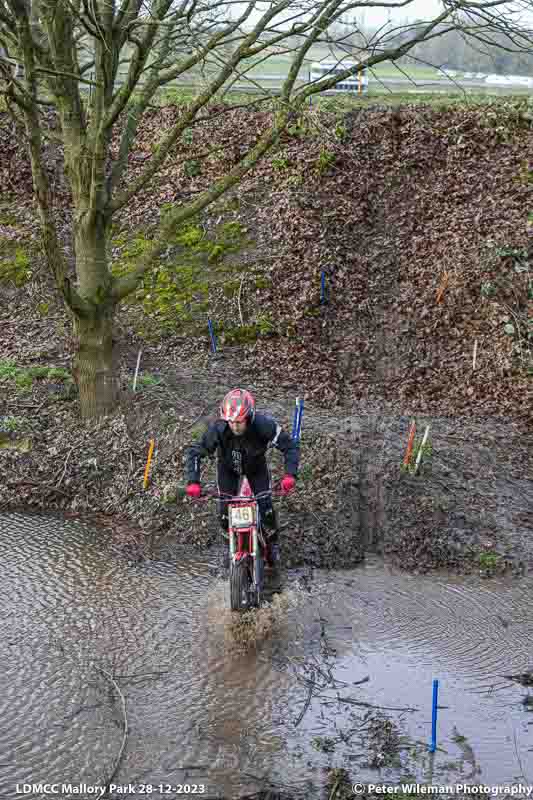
(67,46)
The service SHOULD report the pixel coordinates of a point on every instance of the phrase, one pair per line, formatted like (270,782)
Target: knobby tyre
(259,578)
(240,585)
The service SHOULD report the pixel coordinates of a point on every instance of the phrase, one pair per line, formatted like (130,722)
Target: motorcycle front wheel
(240,582)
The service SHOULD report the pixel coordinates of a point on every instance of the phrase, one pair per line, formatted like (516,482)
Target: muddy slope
(419,218)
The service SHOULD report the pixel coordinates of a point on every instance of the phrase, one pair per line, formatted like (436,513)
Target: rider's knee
(270,519)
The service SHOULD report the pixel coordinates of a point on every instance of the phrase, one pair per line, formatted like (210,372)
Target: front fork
(235,546)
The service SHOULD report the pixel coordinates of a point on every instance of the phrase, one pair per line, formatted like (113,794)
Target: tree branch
(127,284)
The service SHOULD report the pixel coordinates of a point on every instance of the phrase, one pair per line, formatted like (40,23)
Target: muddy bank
(467,510)
(409,299)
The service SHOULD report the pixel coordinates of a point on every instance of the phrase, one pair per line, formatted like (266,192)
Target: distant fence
(272,84)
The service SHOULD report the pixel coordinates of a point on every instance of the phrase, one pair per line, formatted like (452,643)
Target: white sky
(425,9)
(418,9)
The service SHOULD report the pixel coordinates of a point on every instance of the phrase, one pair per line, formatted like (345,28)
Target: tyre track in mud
(473,494)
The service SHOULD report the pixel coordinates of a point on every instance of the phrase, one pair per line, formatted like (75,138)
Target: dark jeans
(259,480)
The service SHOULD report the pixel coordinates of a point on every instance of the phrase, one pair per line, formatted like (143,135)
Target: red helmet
(238,406)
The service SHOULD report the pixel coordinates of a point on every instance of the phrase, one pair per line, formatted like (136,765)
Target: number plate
(241,516)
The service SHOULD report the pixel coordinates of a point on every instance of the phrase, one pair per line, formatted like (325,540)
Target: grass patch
(148,380)
(24,376)
(12,424)
(15,265)
(488,560)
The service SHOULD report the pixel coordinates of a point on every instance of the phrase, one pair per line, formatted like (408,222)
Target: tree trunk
(95,368)
(95,365)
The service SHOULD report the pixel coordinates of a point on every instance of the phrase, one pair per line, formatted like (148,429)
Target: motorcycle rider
(240,439)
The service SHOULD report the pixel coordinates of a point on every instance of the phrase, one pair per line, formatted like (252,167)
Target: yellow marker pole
(148,462)
(360,82)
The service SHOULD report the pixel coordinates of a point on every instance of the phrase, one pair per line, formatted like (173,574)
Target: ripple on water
(204,686)
(480,626)
(405,630)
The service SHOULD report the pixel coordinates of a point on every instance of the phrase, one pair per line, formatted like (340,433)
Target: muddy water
(204,707)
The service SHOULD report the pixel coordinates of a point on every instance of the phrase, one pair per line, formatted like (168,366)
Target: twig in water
(125,725)
(306,705)
(369,705)
(335,787)
(518,758)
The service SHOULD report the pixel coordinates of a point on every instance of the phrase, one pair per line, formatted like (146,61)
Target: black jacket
(242,454)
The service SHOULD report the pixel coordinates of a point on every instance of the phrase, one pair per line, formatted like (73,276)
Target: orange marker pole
(442,288)
(148,462)
(410,442)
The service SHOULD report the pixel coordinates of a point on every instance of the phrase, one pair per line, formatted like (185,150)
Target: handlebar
(230,498)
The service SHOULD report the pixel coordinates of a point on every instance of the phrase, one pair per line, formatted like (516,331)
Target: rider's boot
(224,524)
(273,553)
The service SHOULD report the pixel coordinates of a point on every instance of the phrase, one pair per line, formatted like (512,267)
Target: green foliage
(488,289)
(226,206)
(306,472)
(488,560)
(295,180)
(192,167)
(280,163)
(16,268)
(24,377)
(263,283)
(43,309)
(8,369)
(215,252)
(341,132)
(324,744)
(148,380)
(132,251)
(427,452)
(513,252)
(230,288)
(197,432)
(246,334)
(190,235)
(175,294)
(12,423)
(265,325)
(174,97)
(300,127)
(7,217)
(325,161)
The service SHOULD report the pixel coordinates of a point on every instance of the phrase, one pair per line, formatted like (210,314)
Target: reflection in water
(211,699)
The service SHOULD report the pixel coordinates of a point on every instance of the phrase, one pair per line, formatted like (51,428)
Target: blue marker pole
(323,287)
(433,745)
(300,415)
(212,335)
(295,419)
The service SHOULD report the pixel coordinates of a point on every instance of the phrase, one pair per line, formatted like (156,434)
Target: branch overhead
(102,64)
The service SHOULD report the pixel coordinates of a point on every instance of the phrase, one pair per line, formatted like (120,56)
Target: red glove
(288,482)
(194,490)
